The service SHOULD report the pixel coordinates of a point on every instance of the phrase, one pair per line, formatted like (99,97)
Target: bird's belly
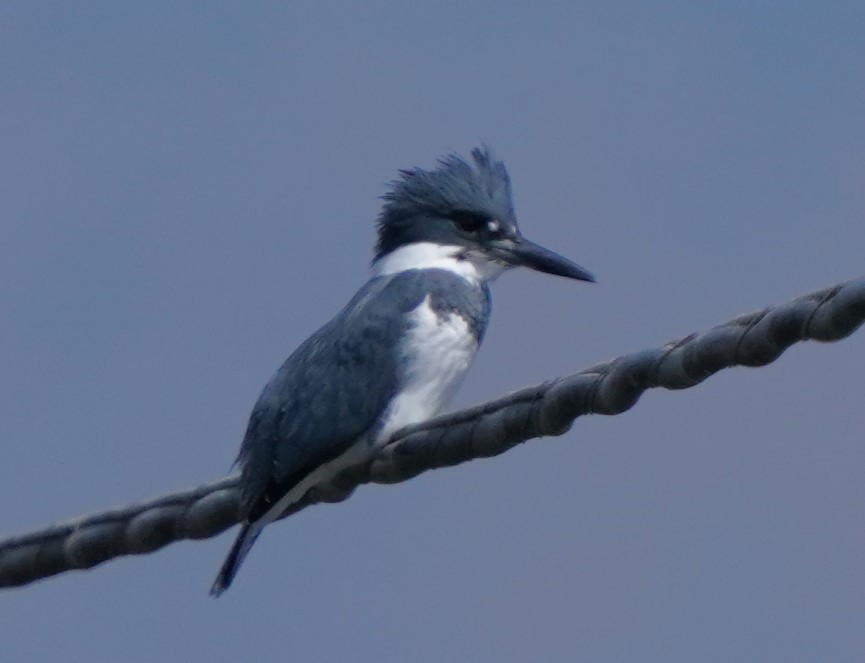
(435,355)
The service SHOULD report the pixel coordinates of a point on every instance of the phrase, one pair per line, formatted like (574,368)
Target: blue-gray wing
(336,385)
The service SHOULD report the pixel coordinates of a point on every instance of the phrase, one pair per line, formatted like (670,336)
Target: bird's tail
(245,538)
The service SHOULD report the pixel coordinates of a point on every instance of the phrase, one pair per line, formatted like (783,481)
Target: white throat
(470,265)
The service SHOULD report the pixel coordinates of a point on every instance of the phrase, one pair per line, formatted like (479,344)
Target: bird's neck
(472,266)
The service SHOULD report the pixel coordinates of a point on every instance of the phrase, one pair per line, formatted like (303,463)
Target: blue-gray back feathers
(336,385)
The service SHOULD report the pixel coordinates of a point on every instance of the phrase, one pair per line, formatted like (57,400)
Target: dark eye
(469,221)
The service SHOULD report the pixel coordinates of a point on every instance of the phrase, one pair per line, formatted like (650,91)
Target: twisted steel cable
(486,430)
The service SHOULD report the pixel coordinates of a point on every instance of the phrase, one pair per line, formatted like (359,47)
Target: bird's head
(465,208)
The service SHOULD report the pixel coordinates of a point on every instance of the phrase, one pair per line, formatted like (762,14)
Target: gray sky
(187,191)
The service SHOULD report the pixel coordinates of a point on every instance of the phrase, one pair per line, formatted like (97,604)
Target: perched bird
(398,350)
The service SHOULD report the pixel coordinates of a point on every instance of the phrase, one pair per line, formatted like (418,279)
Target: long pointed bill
(524,253)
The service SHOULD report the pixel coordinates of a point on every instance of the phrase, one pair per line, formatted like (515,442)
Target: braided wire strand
(483,431)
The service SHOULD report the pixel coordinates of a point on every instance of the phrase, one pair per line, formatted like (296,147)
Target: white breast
(437,351)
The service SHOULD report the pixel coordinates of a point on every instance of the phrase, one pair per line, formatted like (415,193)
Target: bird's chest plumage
(434,354)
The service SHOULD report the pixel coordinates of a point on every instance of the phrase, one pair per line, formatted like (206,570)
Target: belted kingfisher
(398,350)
